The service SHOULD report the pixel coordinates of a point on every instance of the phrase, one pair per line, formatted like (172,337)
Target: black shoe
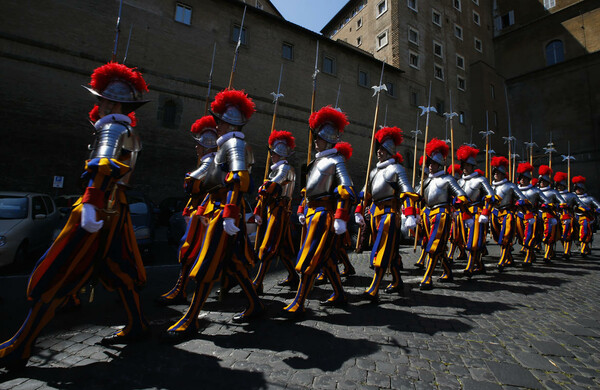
(348,272)
(255,314)
(526,265)
(500,268)
(371,298)
(259,289)
(479,271)
(462,257)
(419,265)
(129,338)
(12,363)
(449,279)
(164,301)
(567,257)
(467,273)
(547,261)
(297,315)
(398,289)
(293,283)
(425,286)
(338,302)
(175,337)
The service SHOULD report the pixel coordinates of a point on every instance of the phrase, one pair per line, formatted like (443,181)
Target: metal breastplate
(570,199)
(200,173)
(284,175)
(440,190)
(535,196)
(389,182)
(553,196)
(506,193)
(588,201)
(324,174)
(230,157)
(119,141)
(476,188)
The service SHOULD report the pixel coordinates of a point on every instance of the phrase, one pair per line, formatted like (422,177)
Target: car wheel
(21,254)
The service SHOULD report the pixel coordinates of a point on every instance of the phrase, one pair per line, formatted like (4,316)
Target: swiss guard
(325,210)
(481,195)
(225,245)
(550,211)
(586,214)
(274,237)
(567,213)
(204,133)
(390,190)
(98,242)
(440,193)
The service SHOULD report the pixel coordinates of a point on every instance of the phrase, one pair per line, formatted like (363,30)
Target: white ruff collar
(278,163)
(111,118)
(472,175)
(383,164)
(437,174)
(497,183)
(326,153)
(227,136)
(525,187)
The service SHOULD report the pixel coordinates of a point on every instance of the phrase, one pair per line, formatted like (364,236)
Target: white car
(27,225)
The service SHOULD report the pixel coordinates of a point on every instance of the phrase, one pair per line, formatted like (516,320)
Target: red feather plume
(524,167)
(579,179)
(544,170)
(94,116)
(560,176)
(233,97)
(534,181)
(328,114)
(203,123)
(345,149)
(282,135)
(398,157)
(390,132)
(421,161)
(456,169)
(103,75)
(500,161)
(437,145)
(466,151)
(481,173)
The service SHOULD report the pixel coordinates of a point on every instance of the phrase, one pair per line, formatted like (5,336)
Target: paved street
(535,328)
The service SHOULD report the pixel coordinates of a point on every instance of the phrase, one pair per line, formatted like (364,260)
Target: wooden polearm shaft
(449,116)
(510,166)
(568,157)
(377,92)
(312,103)
(276,97)
(117,30)
(210,75)
(416,132)
(237,50)
(128,42)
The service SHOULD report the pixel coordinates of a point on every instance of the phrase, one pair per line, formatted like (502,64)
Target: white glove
(204,221)
(339,225)
(359,219)
(483,219)
(229,226)
(88,219)
(258,219)
(469,222)
(302,219)
(410,222)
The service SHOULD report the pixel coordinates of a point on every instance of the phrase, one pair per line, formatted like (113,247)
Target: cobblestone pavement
(525,328)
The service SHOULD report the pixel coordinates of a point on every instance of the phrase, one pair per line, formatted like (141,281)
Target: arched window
(554,52)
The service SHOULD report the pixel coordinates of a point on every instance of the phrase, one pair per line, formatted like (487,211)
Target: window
(549,4)
(390,88)
(478,45)
(439,106)
(358,41)
(169,114)
(458,32)
(412,4)
(359,23)
(504,21)
(236,34)
(461,83)
(414,98)
(554,52)
(461,117)
(328,65)
(183,13)
(438,49)
(259,5)
(438,72)
(49,204)
(413,59)
(492,91)
(287,51)
(460,62)
(457,5)
(436,18)
(363,78)
(413,36)
(38,207)
(381,8)
(382,40)
(476,18)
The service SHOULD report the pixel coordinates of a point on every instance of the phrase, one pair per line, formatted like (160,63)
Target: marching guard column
(204,133)
(586,214)
(225,246)
(567,213)
(481,195)
(390,190)
(329,194)
(507,198)
(440,191)
(549,211)
(274,238)
(98,241)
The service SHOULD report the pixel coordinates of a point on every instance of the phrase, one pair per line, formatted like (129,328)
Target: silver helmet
(207,138)
(329,133)
(438,158)
(281,148)
(231,115)
(118,83)
(389,145)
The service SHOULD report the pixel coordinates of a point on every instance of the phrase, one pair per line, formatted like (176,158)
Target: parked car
(27,225)
(168,207)
(142,211)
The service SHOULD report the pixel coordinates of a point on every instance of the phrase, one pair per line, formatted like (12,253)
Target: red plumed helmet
(233,106)
(112,71)
(282,135)
(328,123)
(579,179)
(480,172)
(524,167)
(206,121)
(499,161)
(394,133)
(398,157)
(345,149)
(534,181)
(421,161)
(457,169)
(467,154)
(437,150)
(560,176)
(545,170)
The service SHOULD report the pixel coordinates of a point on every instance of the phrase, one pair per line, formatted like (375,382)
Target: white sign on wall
(59,181)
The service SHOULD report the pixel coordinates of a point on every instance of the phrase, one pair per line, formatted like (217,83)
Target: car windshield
(13,207)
